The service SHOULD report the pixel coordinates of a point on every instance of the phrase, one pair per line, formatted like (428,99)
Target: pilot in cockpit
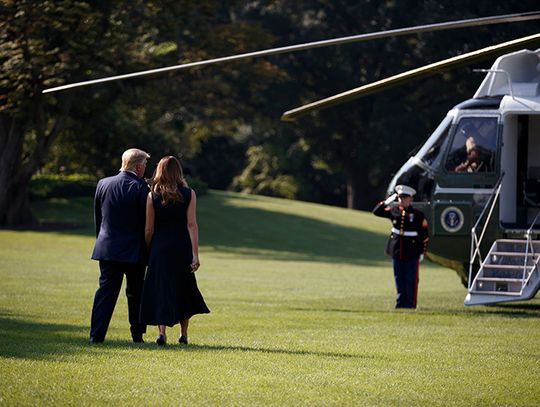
(475,160)
(474,155)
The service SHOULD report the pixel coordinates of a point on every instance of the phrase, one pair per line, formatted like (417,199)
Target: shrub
(199,186)
(58,185)
(264,175)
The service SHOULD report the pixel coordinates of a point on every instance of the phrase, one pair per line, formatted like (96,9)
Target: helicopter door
(532,179)
(527,171)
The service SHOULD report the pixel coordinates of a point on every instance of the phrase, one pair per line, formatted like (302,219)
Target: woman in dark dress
(170,293)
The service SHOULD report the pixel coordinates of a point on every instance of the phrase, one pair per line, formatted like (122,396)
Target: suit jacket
(119,216)
(409,236)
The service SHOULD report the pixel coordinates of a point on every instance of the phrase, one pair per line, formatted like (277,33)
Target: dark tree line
(224,119)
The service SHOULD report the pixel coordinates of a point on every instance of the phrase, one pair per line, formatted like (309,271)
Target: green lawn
(302,314)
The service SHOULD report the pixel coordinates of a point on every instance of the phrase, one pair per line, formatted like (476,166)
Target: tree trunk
(18,166)
(14,206)
(355,189)
(360,194)
(19,211)
(351,192)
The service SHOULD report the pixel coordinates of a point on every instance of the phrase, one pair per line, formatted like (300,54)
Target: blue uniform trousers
(406,277)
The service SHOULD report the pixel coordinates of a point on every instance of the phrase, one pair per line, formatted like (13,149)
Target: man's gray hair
(132,157)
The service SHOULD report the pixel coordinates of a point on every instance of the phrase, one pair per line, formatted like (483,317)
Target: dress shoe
(161,340)
(94,341)
(137,338)
(183,340)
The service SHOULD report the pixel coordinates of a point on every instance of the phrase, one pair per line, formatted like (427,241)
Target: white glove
(390,199)
(421,258)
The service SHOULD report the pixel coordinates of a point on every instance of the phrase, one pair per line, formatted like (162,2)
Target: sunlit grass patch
(302,314)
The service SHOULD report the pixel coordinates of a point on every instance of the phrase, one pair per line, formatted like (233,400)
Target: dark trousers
(406,277)
(110,282)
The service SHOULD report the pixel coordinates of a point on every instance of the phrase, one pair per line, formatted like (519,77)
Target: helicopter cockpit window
(474,145)
(419,171)
(431,152)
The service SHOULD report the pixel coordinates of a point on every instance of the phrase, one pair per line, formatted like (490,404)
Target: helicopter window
(420,170)
(415,176)
(432,151)
(474,145)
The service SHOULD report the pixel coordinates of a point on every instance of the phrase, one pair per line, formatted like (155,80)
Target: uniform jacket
(119,216)
(402,245)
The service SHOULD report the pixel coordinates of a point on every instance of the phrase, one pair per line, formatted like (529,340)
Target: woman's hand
(195,264)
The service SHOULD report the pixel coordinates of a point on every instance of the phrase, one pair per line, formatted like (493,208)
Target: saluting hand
(390,199)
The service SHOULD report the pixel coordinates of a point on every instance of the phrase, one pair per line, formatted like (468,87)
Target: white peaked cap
(405,190)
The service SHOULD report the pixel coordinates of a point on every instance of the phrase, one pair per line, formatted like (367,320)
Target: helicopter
(479,171)
(477,176)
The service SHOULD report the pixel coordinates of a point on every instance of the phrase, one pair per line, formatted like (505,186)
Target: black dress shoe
(161,340)
(94,341)
(137,338)
(183,340)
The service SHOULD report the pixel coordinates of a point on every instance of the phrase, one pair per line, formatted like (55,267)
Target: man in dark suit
(119,214)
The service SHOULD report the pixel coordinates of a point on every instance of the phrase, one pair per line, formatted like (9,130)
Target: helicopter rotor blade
(507,18)
(293,114)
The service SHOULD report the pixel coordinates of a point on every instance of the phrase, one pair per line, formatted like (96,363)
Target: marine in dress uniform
(407,243)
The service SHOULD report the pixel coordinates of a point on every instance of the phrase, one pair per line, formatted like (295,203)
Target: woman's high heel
(161,340)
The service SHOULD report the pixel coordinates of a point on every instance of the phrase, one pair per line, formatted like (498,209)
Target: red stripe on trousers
(416,282)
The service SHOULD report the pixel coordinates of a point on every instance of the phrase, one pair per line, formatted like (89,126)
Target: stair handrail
(524,277)
(475,241)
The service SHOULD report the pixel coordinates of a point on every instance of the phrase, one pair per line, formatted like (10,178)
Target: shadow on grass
(26,339)
(512,310)
(72,216)
(348,311)
(282,236)
(502,310)
(521,307)
(219,348)
(59,227)
(247,231)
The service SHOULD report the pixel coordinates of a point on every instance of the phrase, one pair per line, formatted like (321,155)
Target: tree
(367,139)
(211,114)
(44,44)
(199,114)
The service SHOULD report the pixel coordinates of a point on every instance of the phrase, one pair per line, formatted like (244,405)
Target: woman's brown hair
(167,179)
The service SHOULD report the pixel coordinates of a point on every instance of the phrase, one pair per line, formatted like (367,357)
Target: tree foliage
(223,120)
(367,139)
(31,55)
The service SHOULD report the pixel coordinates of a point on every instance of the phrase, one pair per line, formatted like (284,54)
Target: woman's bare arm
(149,226)
(193,229)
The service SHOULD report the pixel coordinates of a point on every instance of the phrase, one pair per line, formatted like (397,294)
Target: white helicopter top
(517,76)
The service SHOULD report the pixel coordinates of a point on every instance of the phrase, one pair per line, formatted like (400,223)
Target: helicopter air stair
(508,273)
